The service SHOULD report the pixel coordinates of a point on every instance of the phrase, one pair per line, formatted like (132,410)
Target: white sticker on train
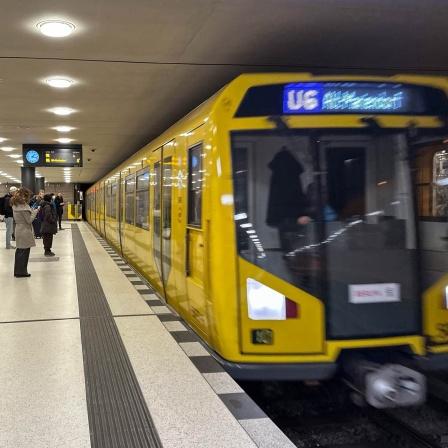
(374,293)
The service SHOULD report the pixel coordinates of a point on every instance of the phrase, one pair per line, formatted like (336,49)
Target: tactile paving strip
(243,408)
(118,415)
(43,259)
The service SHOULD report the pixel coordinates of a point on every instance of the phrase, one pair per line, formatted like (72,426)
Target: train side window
(432,182)
(195,186)
(129,192)
(113,201)
(440,182)
(102,201)
(108,196)
(142,199)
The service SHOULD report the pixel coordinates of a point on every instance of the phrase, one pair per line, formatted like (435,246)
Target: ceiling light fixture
(61,111)
(63,128)
(7,148)
(55,28)
(14,156)
(19,161)
(60,83)
(64,140)
(2,139)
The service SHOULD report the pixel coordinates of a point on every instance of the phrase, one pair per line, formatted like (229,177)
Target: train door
(195,238)
(368,238)
(98,210)
(157,206)
(104,206)
(162,162)
(93,205)
(120,212)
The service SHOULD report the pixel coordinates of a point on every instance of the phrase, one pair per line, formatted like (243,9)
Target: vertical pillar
(28,177)
(40,184)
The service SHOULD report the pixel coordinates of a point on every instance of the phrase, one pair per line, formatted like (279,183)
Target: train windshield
(334,216)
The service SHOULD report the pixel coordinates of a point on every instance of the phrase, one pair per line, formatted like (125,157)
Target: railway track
(315,417)
(403,431)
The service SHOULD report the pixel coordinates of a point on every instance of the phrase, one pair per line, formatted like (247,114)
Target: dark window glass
(129,191)
(108,198)
(166,232)
(195,186)
(102,199)
(157,202)
(113,201)
(167,183)
(329,215)
(157,183)
(440,182)
(142,199)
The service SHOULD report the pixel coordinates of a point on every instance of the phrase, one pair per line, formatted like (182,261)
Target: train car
(279,220)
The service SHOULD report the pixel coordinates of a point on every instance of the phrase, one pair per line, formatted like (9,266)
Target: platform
(90,356)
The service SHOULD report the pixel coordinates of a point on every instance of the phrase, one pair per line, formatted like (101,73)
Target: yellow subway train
(279,220)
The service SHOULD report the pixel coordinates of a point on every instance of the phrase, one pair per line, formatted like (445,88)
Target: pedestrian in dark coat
(9,219)
(59,201)
(23,216)
(49,225)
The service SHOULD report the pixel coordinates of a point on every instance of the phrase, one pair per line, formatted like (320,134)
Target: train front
(327,237)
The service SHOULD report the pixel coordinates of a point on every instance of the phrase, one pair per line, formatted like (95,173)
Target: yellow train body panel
(193,260)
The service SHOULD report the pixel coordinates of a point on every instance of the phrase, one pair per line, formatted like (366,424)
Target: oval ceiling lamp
(63,128)
(55,28)
(64,140)
(61,111)
(60,83)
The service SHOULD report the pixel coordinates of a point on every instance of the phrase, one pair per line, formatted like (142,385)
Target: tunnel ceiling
(138,66)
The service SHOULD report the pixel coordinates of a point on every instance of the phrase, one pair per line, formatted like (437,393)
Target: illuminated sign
(52,155)
(306,98)
(342,97)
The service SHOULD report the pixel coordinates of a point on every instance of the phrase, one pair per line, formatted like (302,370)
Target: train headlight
(264,303)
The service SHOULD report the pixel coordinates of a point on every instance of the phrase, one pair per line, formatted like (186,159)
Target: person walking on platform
(59,201)
(49,224)
(9,217)
(24,216)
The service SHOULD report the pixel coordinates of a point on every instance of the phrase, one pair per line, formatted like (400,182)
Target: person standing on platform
(59,201)
(49,224)
(9,217)
(23,216)
(40,197)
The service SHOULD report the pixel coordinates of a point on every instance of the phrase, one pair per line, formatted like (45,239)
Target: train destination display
(320,97)
(52,155)
(339,97)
